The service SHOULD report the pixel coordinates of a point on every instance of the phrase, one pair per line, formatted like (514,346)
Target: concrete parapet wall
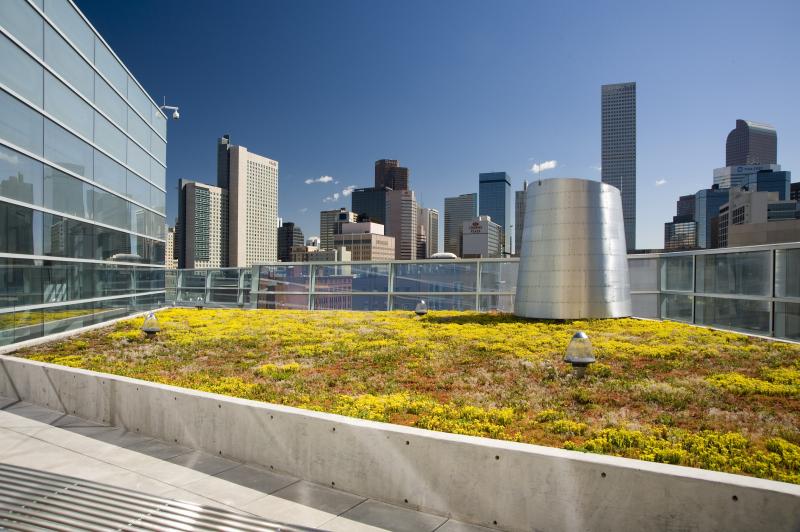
(507,485)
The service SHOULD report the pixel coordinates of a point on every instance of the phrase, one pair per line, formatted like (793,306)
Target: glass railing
(754,289)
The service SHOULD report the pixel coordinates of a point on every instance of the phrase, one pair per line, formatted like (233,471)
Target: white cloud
(598,168)
(331,198)
(304,209)
(547,165)
(13,159)
(348,190)
(661,182)
(321,179)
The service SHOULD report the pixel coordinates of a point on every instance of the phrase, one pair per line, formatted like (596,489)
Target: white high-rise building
(427,232)
(253,207)
(204,225)
(401,222)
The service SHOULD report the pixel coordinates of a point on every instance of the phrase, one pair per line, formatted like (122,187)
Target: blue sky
(454,88)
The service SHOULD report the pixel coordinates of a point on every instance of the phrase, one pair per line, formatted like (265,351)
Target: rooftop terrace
(660,391)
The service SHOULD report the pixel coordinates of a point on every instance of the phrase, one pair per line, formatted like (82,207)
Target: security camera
(176,115)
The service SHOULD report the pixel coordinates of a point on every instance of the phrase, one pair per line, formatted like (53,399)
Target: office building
(457,210)
(171,251)
(759,178)
(203,220)
(389,174)
(752,218)
(427,232)
(481,238)
(330,223)
(680,236)
(366,241)
(252,184)
(312,254)
(82,177)
(401,222)
(519,217)
(370,203)
(618,143)
(707,204)
(751,143)
(685,207)
(794,191)
(289,235)
(494,200)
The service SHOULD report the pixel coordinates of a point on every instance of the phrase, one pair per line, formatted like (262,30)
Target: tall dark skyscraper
(619,149)
(389,174)
(751,143)
(370,203)
(224,161)
(494,200)
(288,235)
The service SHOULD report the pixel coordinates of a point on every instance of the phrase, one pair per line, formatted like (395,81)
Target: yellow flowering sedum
(660,391)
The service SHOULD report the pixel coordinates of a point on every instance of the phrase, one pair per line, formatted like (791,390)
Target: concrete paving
(48,440)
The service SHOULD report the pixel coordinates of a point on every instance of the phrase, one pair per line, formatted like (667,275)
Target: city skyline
(317,114)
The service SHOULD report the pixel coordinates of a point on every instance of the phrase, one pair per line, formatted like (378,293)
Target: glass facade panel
(27,325)
(110,103)
(110,67)
(676,307)
(499,276)
(69,65)
(355,278)
(677,273)
(158,200)
(22,229)
(24,23)
(787,272)
(138,129)
(20,282)
(108,173)
(67,150)
(67,194)
(19,124)
(138,189)
(66,281)
(496,303)
(283,301)
(20,177)
(19,72)
(113,245)
(72,24)
(643,274)
(278,278)
(158,148)
(138,160)
(110,209)
(109,138)
(139,101)
(787,320)
(113,280)
(743,314)
(65,105)
(335,301)
(734,273)
(68,317)
(158,174)
(455,276)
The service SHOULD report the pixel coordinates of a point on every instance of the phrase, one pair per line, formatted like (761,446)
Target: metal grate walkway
(34,500)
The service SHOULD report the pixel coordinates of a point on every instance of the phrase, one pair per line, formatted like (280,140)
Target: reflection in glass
(677,273)
(451,276)
(744,314)
(734,273)
(19,124)
(19,72)
(20,177)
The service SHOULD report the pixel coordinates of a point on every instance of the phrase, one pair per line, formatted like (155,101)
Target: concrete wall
(494,483)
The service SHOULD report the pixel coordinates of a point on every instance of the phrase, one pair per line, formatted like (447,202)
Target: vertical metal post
(312,274)
(208,286)
(390,290)
(694,285)
(478,268)
(772,293)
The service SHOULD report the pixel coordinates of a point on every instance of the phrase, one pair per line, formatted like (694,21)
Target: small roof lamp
(580,353)
(421,308)
(198,304)
(150,326)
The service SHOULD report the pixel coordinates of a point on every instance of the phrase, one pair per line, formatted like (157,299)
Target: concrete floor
(47,440)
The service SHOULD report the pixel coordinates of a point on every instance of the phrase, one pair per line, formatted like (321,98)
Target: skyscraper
(458,210)
(519,217)
(619,149)
(389,174)
(330,223)
(203,222)
(83,166)
(370,203)
(401,222)
(289,235)
(494,200)
(253,204)
(427,231)
(223,161)
(751,143)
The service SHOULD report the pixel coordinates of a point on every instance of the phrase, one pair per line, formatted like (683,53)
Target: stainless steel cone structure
(574,262)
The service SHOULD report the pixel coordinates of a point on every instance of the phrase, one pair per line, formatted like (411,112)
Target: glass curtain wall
(82,176)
